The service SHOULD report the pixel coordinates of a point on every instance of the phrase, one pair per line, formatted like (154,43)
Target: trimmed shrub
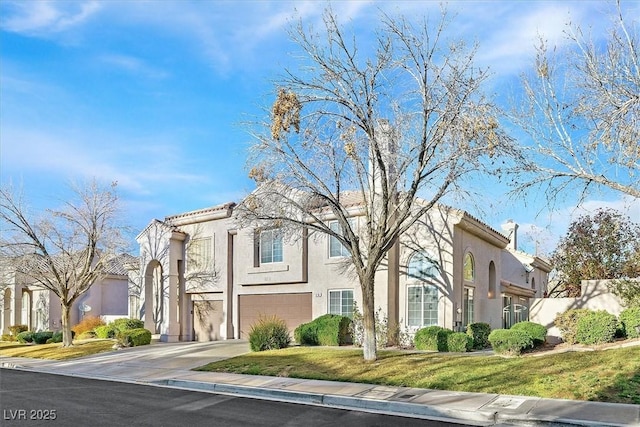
(106,331)
(459,342)
(510,341)
(629,321)
(125,324)
(536,330)
(57,336)
(135,337)
(479,332)
(269,333)
(330,329)
(7,337)
(42,337)
(567,323)
(87,335)
(596,327)
(16,329)
(432,338)
(25,336)
(88,323)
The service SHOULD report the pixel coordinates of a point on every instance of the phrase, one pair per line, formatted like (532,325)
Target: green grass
(606,376)
(55,351)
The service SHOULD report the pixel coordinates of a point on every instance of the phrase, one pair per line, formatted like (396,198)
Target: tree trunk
(67,339)
(368,321)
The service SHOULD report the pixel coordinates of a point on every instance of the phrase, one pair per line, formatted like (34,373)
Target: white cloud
(43,17)
(132,65)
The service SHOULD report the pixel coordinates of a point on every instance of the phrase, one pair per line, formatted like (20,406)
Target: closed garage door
(207,318)
(294,309)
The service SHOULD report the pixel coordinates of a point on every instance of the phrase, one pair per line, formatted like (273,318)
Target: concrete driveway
(146,363)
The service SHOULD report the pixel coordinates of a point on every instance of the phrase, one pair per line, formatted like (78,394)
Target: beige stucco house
(25,303)
(204,278)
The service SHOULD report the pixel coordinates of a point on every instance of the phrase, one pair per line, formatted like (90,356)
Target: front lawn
(55,351)
(606,376)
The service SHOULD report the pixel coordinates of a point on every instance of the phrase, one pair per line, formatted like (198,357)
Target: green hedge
(330,329)
(42,337)
(596,327)
(536,330)
(126,323)
(25,337)
(459,342)
(269,333)
(479,332)
(629,321)
(510,341)
(106,331)
(432,338)
(136,337)
(567,323)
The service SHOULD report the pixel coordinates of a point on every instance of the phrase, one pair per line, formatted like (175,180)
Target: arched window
(468,268)
(422,267)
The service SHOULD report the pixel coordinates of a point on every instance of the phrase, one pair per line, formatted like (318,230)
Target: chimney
(387,143)
(510,229)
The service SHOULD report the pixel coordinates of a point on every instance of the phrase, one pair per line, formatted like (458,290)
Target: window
(336,249)
(514,310)
(341,302)
(422,305)
(422,267)
(467,306)
(468,268)
(270,246)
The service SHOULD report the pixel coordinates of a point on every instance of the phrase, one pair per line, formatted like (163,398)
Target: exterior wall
(594,296)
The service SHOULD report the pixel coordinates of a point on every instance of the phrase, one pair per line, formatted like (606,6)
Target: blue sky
(152,94)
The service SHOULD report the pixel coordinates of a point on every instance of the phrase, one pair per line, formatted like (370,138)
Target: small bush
(25,337)
(567,323)
(629,321)
(42,337)
(479,332)
(106,331)
(16,329)
(510,341)
(269,333)
(135,337)
(88,323)
(8,337)
(536,330)
(596,327)
(330,329)
(432,338)
(125,324)
(57,336)
(459,342)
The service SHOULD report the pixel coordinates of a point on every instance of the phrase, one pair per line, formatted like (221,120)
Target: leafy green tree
(605,245)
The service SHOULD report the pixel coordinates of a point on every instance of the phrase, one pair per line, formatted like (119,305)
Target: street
(38,399)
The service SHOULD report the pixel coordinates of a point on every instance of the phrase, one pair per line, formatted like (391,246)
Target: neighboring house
(30,304)
(202,278)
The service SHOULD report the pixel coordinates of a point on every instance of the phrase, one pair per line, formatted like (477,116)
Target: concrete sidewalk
(171,364)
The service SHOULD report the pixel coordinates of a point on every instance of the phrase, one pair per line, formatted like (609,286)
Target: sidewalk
(170,365)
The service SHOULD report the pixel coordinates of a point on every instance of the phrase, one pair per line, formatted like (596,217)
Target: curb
(480,418)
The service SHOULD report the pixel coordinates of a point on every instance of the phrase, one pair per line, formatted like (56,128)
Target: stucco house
(204,278)
(25,303)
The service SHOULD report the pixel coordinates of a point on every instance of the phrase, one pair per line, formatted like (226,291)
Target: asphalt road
(37,399)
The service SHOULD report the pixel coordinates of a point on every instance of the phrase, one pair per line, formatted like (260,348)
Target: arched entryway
(155,297)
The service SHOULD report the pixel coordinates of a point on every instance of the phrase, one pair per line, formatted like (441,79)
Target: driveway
(146,363)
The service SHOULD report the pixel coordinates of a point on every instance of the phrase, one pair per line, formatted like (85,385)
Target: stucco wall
(594,296)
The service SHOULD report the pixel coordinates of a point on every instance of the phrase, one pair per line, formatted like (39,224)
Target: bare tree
(66,250)
(581,110)
(362,130)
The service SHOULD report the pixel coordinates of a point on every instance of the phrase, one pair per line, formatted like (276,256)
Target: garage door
(207,318)
(294,309)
